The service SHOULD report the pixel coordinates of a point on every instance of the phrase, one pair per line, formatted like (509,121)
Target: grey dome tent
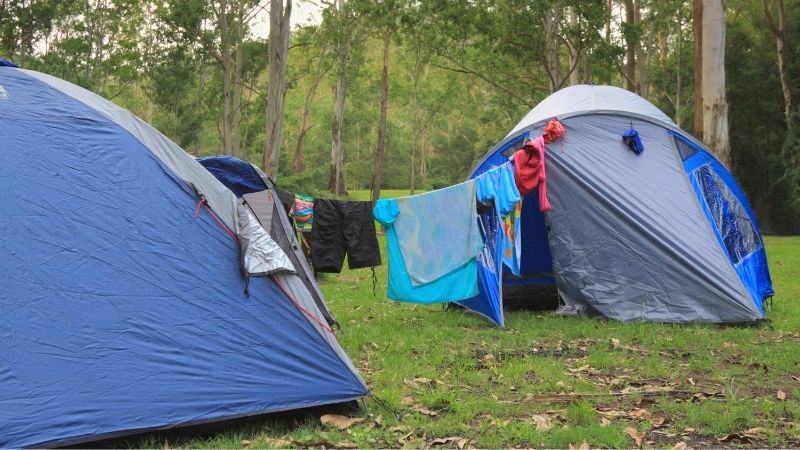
(665,234)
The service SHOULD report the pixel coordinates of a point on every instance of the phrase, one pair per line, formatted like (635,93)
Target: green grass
(491,401)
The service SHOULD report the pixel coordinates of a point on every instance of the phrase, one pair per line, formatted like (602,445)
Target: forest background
(411,94)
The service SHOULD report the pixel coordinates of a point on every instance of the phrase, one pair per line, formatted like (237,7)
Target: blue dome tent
(137,292)
(645,223)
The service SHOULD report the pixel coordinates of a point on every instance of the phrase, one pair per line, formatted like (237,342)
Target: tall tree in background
(279,20)
(343,32)
(631,37)
(319,65)
(552,22)
(779,31)
(381,147)
(230,28)
(697,34)
(715,103)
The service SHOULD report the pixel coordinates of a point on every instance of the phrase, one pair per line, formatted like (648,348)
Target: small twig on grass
(574,396)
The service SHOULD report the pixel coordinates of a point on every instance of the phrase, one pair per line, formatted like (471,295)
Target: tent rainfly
(125,308)
(646,225)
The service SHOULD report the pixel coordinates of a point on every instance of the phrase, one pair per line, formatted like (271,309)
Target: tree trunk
(336,180)
(552,19)
(641,60)
(678,68)
(236,97)
(697,33)
(224,58)
(779,30)
(298,165)
(715,104)
(423,159)
(201,86)
(279,17)
(376,176)
(574,57)
(415,124)
(630,48)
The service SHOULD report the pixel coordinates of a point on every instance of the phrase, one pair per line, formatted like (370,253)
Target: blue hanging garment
(423,227)
(438,231)
(498,184)
(633,141)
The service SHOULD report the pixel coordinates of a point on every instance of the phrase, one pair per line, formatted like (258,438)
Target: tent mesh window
(732,222)
(684,149)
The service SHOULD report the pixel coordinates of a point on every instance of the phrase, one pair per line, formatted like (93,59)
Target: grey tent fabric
(627,235)
(597,99)
(262,204)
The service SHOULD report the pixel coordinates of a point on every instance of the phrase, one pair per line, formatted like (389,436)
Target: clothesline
(433,238)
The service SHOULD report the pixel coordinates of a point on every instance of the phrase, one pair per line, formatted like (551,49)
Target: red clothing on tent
(529,171)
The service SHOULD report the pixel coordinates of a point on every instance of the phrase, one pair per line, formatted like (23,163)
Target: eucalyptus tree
(280,12)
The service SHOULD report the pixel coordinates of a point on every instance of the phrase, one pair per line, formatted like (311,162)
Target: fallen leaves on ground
(460,442)
(423,410)
(339,421)
(658,422)
(780,395)
(748,436)
(637,436)
(543,423)
(584,446)
(417,381)
(584,369)
(680,446)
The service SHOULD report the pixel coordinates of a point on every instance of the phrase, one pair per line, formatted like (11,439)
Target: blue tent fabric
(489,300)
(6,63)
(751,266)
(122,311)
(237,175)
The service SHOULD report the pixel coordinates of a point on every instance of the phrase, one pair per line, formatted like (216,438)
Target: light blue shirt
(498,184)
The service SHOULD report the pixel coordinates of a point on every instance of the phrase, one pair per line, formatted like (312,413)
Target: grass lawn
(554,382)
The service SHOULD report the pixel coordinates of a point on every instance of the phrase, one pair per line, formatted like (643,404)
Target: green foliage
(467,71)
(787,188)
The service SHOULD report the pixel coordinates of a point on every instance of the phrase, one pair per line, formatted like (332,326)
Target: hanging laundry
(529,171)
(438,231)
(303,210)
(511,246)
(459,284)
(343,227)
(498,185)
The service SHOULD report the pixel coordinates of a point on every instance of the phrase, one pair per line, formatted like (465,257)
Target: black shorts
(343,227)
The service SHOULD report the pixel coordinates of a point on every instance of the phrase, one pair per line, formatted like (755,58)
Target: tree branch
(466,70)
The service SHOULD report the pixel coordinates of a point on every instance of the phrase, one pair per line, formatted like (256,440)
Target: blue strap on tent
(633,141)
